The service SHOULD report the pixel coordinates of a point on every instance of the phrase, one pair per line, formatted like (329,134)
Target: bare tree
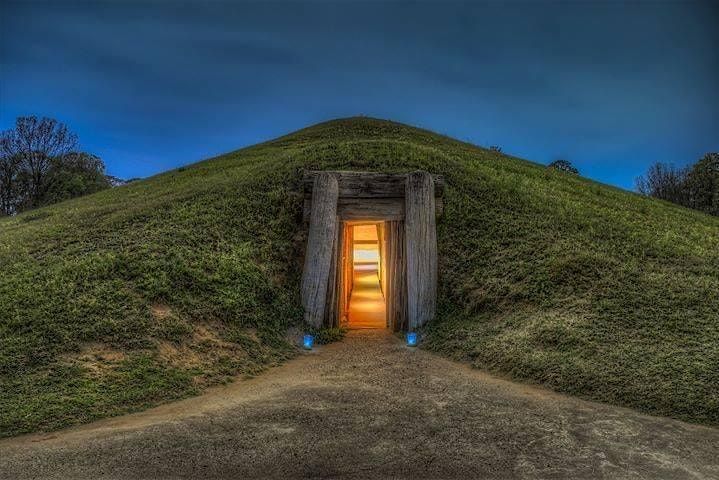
(696,186)
(35,143)
(664,181)
(40,165)
(9,172)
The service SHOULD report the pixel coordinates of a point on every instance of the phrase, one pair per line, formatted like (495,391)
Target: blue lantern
(412,339)
(307,341)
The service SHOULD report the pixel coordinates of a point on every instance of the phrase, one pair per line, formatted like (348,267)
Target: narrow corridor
(367,302)
(367,309)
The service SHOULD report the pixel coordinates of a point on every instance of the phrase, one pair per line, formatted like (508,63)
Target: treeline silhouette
(696,186)
(40,164)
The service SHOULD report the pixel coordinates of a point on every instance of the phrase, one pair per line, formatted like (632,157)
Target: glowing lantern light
(307,341)
(412,339)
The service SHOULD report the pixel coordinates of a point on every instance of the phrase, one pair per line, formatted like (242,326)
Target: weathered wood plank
(347,272)
(382,241)
(396,277)
(368,185)
(331,318)
(370,209)
(320,244)
(421,249)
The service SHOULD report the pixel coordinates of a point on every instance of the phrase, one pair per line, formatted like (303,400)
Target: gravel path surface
(369,407)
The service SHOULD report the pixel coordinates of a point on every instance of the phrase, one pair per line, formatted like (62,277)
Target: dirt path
(370,407)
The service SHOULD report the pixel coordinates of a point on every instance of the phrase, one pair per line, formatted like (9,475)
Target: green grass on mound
(150,292)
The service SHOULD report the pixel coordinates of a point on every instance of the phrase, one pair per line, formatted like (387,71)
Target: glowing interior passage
(361,255)
(367,303)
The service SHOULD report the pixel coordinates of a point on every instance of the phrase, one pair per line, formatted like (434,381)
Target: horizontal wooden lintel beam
(367,184)
(370,209)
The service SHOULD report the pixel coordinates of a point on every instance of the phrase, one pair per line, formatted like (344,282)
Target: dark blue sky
(149,86)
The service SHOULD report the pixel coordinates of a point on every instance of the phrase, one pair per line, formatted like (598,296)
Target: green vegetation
(323,336)
(40,165)
(695,186)
(148,292)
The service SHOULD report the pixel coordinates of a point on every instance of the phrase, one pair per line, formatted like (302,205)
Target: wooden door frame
(345,265)
(409,204)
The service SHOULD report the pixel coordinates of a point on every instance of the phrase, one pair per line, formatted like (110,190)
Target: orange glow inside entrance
(367,301)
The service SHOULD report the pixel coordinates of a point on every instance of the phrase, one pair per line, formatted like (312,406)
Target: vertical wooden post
(346,281)
(331,315)
(421,249)
(382,273)
(397,277)
(320,243)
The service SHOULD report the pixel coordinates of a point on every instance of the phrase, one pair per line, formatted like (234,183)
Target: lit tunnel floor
(367,308)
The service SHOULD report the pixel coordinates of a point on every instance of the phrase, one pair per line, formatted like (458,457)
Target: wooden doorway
(397,215)
(367,304)
(371,276)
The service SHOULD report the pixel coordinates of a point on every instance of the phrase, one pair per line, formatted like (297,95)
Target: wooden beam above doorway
(368,196)
(407,206)
(367,184)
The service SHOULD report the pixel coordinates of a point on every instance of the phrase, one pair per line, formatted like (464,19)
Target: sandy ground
(369,407)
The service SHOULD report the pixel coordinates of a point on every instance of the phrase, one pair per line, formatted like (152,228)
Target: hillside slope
(149,292)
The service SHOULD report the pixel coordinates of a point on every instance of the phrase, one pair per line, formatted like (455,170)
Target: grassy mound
(149,292)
